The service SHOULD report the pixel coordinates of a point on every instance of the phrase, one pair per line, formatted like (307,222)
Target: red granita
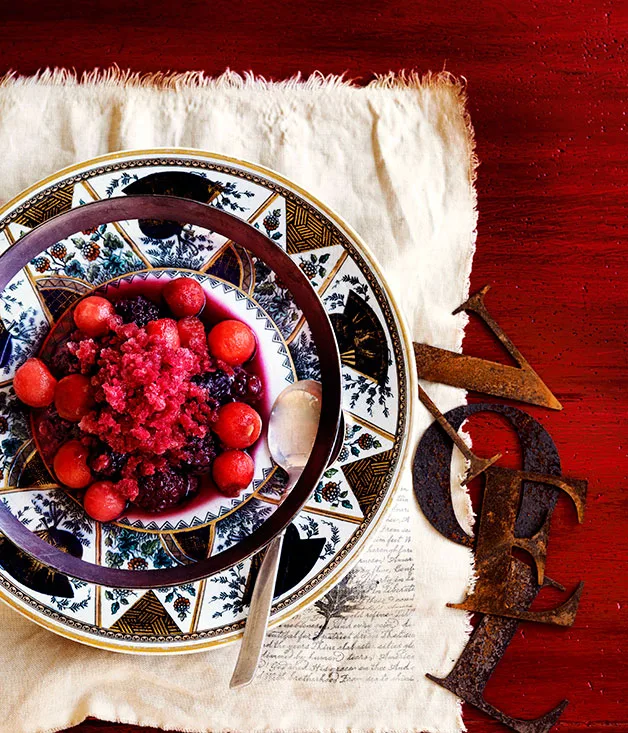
(147,402)
(150,435)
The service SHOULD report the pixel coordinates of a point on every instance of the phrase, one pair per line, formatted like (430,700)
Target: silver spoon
(292,431)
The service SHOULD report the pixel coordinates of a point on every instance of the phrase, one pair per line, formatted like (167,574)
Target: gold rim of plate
(411,378)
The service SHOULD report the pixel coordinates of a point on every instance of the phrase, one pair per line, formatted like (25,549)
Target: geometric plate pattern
(147,617)
(377,383)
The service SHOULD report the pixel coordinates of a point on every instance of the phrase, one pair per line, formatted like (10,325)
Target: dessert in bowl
(258,520)
(150,398)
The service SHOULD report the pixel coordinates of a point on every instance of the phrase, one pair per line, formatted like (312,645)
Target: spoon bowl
(293,425)
(292,430)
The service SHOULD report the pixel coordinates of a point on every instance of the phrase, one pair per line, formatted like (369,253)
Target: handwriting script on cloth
(516,513)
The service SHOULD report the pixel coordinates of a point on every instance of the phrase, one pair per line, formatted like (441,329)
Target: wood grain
(547,94)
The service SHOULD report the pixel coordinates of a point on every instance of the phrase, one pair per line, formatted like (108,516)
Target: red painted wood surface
(547,93)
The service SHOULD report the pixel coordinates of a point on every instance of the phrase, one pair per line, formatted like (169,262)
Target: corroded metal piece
(493,634)
(519,383)
(496,588)
(484,651)
(476,465)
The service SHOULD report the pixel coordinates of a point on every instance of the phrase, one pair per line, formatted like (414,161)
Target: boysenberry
(91,251)
(139,310)
(218,385)
(63,361)
(58,250)
(164,490)
(104,462)
(331,492)
(365,441)
(309,269)
(198,455)
(271,221)
(137,563)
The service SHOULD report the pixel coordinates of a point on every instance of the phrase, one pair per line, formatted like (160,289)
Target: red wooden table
(547,94)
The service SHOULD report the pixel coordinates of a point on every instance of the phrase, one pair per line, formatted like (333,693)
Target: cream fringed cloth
(395,159)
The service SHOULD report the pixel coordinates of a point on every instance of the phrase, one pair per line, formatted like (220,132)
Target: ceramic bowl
(150,212)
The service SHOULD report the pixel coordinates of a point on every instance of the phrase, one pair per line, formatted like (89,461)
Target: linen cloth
(396,160)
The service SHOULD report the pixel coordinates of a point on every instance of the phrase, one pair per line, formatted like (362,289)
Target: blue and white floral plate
(378,382)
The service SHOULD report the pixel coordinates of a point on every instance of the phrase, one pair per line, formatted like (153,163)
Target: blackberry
(63,361)
(137,310)
(271,221)
(53,431)
(137,563)
(309,269)
(164,490)
(91,251)
(182,605)
(41,264)
(218,385)
(4,424)
(246,387)
(104,462)
(365,441)
(198,455)
(331,492)
(58,250)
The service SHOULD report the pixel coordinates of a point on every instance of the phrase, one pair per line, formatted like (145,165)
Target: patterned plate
(376,354)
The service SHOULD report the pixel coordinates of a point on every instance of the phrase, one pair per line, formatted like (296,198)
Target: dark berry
(365,441)
(91,251)
(218,385)
(246,387)
(271,221)
(63,361)
(181,605)
(198,455)
(164,490)
(41,264)
(104,462)
(309,269)
(58,250)
(137,563)
(52,432)
(331,492)
(137,310)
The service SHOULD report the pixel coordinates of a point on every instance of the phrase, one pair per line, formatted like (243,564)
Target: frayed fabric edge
(116,78)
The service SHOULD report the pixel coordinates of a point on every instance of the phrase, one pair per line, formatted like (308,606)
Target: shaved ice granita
(146,399)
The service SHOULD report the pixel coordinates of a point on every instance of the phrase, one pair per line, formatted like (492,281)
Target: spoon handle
(259,612)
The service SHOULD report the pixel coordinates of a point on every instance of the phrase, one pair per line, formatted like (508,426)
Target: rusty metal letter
(521,383)
(493,634)
(495,564)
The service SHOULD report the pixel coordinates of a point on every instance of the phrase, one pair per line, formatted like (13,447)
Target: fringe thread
(116,78)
